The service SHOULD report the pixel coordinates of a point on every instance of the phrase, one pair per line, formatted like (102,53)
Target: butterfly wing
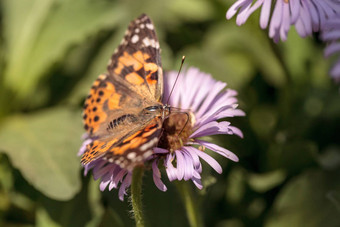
(134,78)
(137,60)
(110,98)
(112,111)
(130,150)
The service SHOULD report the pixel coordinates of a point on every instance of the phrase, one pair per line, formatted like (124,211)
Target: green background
(52,50)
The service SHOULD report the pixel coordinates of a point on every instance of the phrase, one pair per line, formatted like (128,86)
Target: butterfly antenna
(179,71)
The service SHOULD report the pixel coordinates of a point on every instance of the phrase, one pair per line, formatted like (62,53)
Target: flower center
(176,131)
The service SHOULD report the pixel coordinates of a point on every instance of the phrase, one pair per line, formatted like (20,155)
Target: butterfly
(123,113)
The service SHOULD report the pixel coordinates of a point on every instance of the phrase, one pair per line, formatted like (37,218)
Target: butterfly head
(177,128)
(162,110)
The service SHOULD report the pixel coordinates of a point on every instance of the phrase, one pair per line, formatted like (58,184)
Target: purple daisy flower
(307,15)
(206,101)
(179,149)
(331,34)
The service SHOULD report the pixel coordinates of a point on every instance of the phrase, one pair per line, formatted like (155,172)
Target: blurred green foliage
(52,50)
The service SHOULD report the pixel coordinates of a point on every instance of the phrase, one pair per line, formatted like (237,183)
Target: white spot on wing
(135,39)
(149,26)
(131,155)
(150,42)
(149,144)
(146,41)
(123,42)
(102,77)
(144,18)
(147,154)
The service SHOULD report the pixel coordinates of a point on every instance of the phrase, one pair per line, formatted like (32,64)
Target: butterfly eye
(147,112)
(151,109)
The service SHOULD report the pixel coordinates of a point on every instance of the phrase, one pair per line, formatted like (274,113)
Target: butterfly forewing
(113,112)
(138,60)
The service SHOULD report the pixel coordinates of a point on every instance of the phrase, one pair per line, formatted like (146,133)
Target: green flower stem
(191,204)
(278,53)
(136,195)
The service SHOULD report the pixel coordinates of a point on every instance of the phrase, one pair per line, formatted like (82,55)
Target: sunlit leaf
(43,146)
(170,13)
(43,219)
(38,34)
(266,181)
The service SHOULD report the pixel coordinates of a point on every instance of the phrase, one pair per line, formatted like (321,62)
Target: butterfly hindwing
(136,147)
(130,150)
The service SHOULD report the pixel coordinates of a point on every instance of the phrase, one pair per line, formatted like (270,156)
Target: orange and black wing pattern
(113,116)
(137,59)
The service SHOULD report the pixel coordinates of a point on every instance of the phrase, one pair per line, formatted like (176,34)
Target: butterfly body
(123,113)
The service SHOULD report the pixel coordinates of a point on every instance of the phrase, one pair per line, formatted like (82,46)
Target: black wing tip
(143,18)
(143,15)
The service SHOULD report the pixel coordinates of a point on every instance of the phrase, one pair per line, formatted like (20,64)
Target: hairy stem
(136,195)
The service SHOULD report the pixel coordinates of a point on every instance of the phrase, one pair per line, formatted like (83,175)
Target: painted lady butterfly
(123,113)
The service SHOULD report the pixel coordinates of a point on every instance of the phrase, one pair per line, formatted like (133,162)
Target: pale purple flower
(331,34)
(206,101)
(306,15)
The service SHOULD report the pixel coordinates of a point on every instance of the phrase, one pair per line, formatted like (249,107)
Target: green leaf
(229,55)
(38,33)
(43,219)
(199,9)
(111,218)
(236,188)
(305,201)
(293,156)
(95,205)
(267,181)
(74,212)
(6,176)
(173,12)
(43,146)
(304,60)
(263,119)
(97,66)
